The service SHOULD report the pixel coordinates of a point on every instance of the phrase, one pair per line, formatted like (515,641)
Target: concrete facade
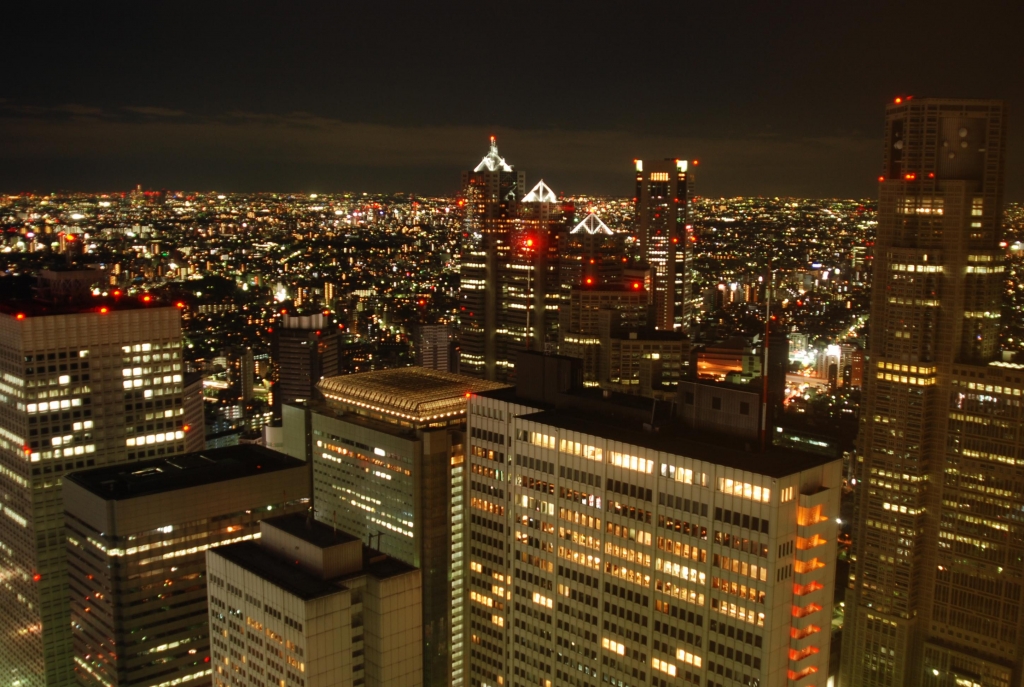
(310,606)
(137,538)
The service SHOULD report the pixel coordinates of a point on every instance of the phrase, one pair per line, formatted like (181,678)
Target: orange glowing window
(795,655)
(809,670)
(802,567)
(805,517)
(801,590)
(804,611)
(797,633)
(810,542)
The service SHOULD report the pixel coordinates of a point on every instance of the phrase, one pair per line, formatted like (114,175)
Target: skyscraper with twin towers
(935,588)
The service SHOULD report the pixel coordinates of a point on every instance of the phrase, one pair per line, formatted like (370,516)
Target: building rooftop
(541,193)
(315,532)
(100,305)
(592,224)
(159,475)
(286,575)
(290,576)
(675,438)
(411,393)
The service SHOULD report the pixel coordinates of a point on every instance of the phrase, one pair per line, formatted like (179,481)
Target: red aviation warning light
(104,310)
(147,298)
(20,316)
(898,100)
(910,177)
(636,286)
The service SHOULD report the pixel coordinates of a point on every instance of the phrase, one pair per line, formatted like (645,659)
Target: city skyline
(450,345)
(220,99)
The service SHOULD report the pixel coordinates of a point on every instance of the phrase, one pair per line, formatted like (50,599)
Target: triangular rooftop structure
(541,193)
(591,224)
(493,162)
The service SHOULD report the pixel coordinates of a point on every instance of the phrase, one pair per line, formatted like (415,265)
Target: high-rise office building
(609,544)
(305,350)
(594,254)
(579,330)
(194,416)
(935,587)
(137,541)
(531,279)
(241,369)
(517,268)
(433,342)
(86,382)
(388,449)
(311,606)
(663,190)
(490,194)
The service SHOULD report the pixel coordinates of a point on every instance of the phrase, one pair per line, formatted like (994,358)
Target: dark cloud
(155,111)
(781,98)
(256,151)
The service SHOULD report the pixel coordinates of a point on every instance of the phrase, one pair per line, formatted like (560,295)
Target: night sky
(773,98)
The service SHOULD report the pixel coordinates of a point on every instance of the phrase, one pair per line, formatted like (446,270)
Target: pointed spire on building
(540,193)
(493,162)
(591,224)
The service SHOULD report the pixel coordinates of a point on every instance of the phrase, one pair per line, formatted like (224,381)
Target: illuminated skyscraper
(432,346)
(531,278)
(608,546)
(512,278)
(86,382)
(490,194)
(663,189)
(936,584)
(137,542)
(593,251)
(388,453)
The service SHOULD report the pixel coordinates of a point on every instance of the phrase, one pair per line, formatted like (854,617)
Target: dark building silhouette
(305,350)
